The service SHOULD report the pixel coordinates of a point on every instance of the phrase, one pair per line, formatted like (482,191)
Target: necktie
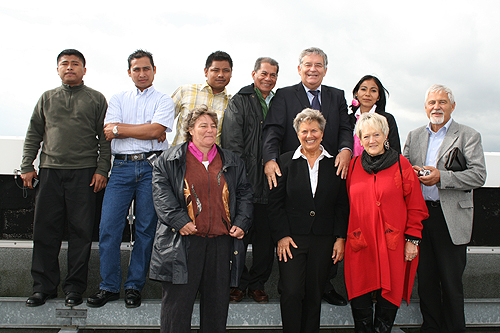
(315,102)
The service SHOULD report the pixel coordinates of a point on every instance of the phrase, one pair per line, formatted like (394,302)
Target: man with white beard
(448,158)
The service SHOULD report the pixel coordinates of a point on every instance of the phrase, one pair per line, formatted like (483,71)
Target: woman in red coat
(386,211)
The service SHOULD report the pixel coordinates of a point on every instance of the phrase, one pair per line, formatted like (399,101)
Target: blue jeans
(129,180)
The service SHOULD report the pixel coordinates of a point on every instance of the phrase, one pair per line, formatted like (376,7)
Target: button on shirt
(313,172)
(136,108)
(431,193)
(188,96)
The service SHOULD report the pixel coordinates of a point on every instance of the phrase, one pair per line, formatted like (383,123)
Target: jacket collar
(74,88)
(450,137)
(247,90)
(178,152)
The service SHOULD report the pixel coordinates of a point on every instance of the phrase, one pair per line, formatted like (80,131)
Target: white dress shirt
(137,107)
(313,172)
(431,193)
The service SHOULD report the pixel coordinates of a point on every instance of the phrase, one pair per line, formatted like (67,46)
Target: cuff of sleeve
(412,237)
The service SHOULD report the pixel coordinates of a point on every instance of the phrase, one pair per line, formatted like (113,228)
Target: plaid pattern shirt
(189,96)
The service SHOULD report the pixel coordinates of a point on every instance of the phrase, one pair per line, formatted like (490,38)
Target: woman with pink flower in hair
(371,96)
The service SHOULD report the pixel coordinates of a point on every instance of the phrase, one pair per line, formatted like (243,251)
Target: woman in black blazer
(371,96)
(308,211)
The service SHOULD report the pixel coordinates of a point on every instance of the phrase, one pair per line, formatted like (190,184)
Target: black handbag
(456,161)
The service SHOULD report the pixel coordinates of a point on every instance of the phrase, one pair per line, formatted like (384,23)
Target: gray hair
(374,120)
(309,115)
(193,116)
(313,50)
(439,88)
(268,60)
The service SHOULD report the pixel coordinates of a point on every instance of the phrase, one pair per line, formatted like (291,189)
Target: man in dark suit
(448,194)
(280,137)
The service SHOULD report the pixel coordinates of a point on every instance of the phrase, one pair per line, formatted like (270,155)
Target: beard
(437,118)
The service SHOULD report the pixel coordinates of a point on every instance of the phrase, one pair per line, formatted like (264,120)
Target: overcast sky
(409,45)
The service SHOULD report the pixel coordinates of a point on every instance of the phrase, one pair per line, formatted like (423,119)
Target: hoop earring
(386,145)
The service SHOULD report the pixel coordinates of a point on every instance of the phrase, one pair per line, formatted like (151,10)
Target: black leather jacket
(242,134)
(169,258)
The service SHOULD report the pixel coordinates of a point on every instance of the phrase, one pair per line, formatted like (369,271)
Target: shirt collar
(146,91)
(207,87)
(199,155)
(307,89)
(298,153)
(77,87)
(372,110)
(444,128)
(268,98)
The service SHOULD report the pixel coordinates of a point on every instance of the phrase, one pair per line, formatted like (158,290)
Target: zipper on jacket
(209,204)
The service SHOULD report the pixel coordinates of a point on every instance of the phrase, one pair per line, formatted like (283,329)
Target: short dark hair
(69,52)
(382,92)
(218,56)
(140,54)
(268,60)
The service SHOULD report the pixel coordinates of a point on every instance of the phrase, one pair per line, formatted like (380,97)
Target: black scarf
(373,164)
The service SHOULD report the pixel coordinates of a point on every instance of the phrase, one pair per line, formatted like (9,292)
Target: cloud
(408,45)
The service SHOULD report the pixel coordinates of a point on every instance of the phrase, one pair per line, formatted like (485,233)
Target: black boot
(363,320)
(384,318)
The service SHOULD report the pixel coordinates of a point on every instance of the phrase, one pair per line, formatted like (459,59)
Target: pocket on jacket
(164,238)
(392,236)
(466,204)
(357,240)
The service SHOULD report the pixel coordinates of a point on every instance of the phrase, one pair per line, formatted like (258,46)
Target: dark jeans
(440,269)
(262,251)
(63,197)
(208,272)
(129,180)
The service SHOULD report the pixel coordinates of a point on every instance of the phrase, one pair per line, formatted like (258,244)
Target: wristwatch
(115,130)
(415,242)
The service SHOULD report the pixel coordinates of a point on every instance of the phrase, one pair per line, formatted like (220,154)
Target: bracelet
(415,242)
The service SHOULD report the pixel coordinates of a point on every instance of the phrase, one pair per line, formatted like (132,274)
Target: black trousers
(209,273)
(440,269)
(331,275)
(63,197)
(302,282)
(262,251)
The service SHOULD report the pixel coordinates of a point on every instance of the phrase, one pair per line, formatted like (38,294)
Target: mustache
(437,113)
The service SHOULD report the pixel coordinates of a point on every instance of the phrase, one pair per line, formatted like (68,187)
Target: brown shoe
(236,295)
(260,296)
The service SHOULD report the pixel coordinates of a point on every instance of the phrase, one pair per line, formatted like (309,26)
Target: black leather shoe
(334,298)
(132,298)
(101,297)
(38,299)
(73,299)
